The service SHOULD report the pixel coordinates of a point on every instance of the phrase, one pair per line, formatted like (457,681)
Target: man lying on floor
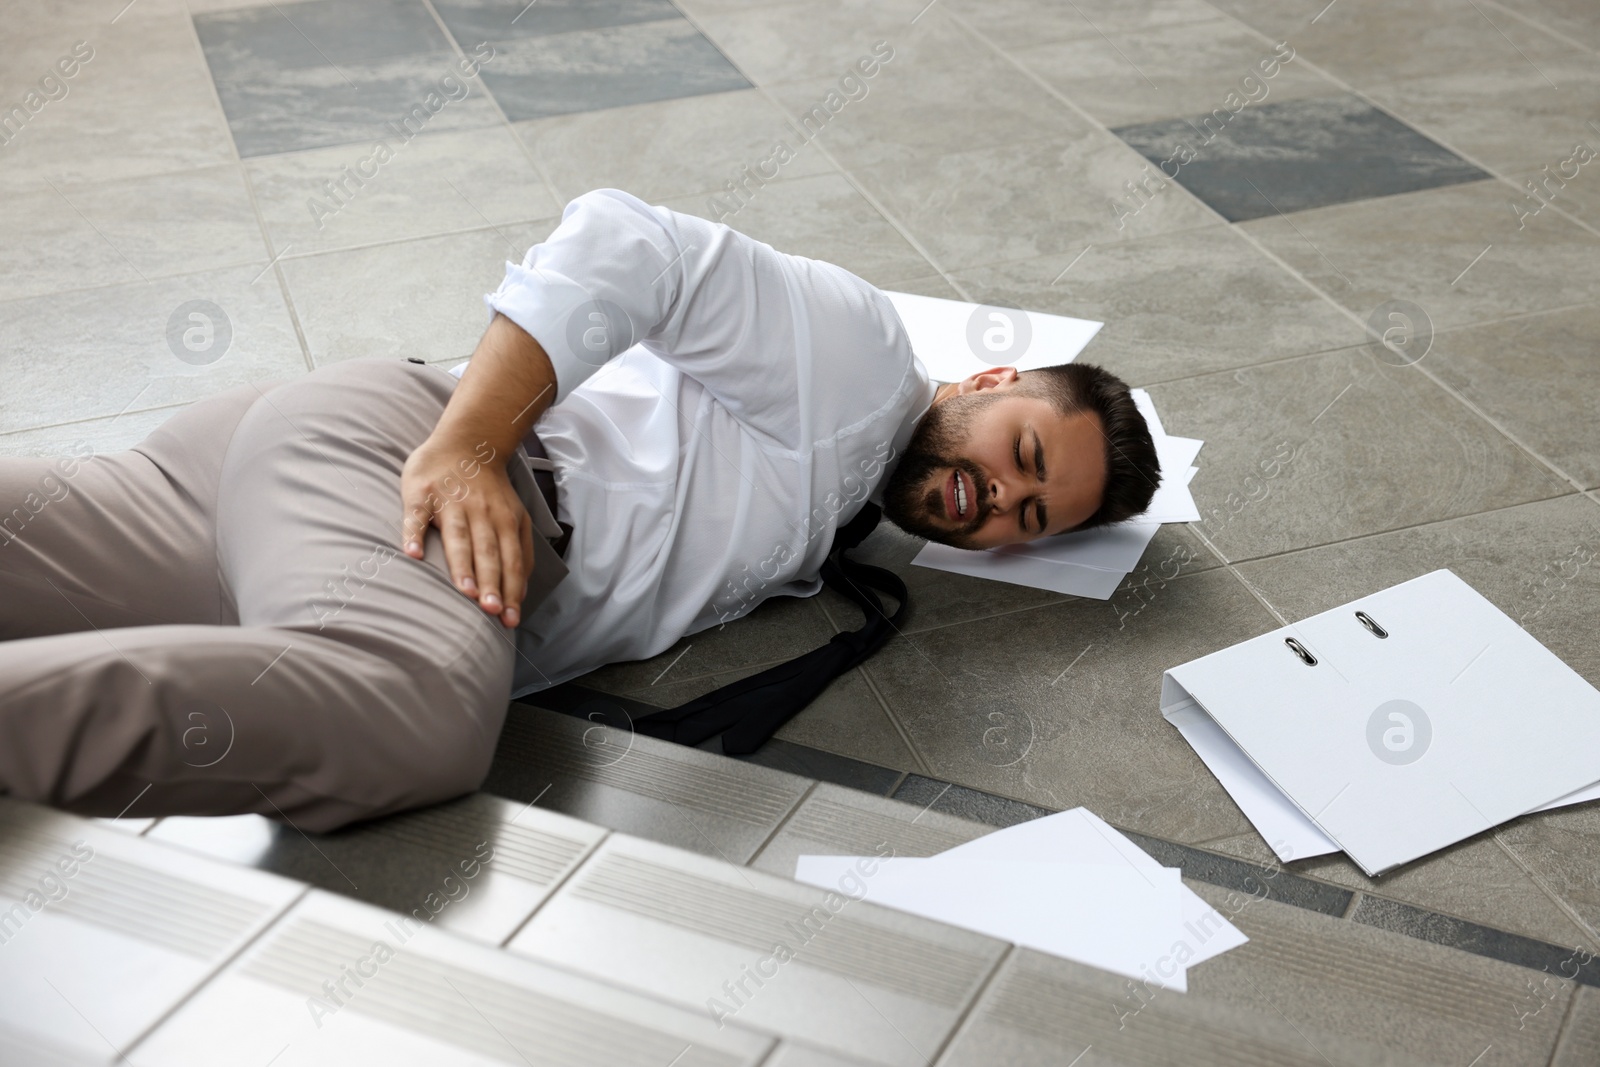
(249,611)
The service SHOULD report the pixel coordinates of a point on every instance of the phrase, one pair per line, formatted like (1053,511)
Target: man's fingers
(486,566)
(456,533)
(414,525)
(514,564)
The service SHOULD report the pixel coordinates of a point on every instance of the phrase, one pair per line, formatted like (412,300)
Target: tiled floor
(1011,151)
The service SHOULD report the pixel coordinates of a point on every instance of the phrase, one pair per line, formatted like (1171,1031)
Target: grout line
(549,185)
(250,191)
(894,720)
(781,823)
(969,1009)
(839,169)
(1566,909)
(1529,20)
(1356,896)
(560,883)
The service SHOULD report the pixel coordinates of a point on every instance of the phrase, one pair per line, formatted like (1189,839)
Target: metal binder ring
(1300,650)
(1367,621)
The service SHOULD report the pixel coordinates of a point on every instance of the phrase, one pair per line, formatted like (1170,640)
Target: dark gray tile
(316,33)
(1263,881)
(274,109)
(589,69)
(1296,155)
(1574,964)
(823,766)
(471,21)
(974,804)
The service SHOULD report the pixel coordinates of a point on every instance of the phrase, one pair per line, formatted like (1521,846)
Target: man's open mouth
(960,495)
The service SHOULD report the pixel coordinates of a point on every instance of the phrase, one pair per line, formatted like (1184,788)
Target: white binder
(1397,724)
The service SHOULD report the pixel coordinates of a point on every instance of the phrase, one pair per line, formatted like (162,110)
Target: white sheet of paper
(1115,917)
(1031,571)
(1172,501)
(1081,836)
(939,335)
(1147,408)
(1107,548)
(1284,827)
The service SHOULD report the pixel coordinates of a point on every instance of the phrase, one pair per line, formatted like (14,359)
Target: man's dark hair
(1132,469)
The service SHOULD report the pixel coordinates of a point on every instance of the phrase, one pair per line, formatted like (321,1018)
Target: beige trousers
(220,621)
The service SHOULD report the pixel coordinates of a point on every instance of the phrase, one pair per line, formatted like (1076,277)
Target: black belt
(546,481)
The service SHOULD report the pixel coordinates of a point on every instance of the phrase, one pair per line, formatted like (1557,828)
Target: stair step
(605,774)
(478,866)
(338,981)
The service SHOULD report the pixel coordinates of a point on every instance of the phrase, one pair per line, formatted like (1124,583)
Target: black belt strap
(748,712)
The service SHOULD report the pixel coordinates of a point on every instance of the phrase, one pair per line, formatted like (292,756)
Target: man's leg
(358,681)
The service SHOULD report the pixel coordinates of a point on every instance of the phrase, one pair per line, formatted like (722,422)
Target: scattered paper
(1067,884)
(948,335)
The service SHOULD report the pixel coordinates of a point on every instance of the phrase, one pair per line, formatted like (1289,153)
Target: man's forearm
(507,386)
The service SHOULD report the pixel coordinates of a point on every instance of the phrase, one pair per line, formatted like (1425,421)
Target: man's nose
(1001,494)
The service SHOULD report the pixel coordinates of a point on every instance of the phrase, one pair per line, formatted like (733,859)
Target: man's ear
(993,378)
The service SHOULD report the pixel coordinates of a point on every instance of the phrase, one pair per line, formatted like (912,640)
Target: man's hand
(487,534)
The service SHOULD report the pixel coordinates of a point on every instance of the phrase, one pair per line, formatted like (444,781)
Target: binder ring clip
(1366,620)
(1300,650)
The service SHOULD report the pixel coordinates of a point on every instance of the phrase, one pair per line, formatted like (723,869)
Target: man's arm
(456,479)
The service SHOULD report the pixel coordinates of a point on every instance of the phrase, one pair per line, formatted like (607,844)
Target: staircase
(613,900)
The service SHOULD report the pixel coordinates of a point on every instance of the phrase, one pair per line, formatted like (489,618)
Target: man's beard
(914,504)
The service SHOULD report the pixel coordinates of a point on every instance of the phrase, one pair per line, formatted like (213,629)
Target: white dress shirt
(705,467)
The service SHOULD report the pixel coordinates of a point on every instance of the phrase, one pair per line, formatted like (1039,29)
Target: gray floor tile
(1041,1011)
(1574,20)
(954,94)
(1173,305)
(1507,116)
(119,118)
(1580,1038)
(668,148)
(856,979)
(1474,881)
(1016,24)
(80,234)
(1363,41)
(420,298)
(844,822)
(780,629)
(822,217)
(113,433)
(435,183)
(1316,450)
(1021,201)
(359,103)
(790,1054)
(1559,847)
(774,43)
(101,352)
(471,21)
(1535,562)
(133,928)
(1578,197)
(1425,247)
(407,993)
(477,866)
(1167,71)
(1286,157)
(606,775)
(1332,976)
(846,718)
(1538,378)
(939,598)
(1059,706)
(589,69)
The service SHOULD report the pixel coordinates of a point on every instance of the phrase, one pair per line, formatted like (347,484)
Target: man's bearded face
(996,467)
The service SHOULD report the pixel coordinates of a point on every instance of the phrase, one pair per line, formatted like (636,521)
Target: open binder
(1392,726)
